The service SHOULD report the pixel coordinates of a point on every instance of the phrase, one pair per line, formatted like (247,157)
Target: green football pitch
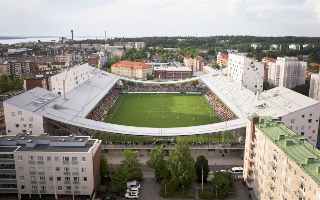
(161,110)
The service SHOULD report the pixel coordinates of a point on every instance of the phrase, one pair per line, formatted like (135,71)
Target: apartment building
(246,71)
(287,72)
(49,165)
(280,165)
(129,69)
(20,67)
(314,91)
(172,72)
(70,78)
(195,64)
(222,59)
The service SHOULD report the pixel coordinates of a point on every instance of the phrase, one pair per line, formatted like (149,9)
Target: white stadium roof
(82,100)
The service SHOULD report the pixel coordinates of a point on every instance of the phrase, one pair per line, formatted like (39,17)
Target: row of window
(58,178)
(56,158)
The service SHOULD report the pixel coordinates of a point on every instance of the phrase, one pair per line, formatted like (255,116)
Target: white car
(131,196)
(133,185)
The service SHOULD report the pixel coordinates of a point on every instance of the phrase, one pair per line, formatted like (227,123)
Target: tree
(132,165)
(159,164)
(222,184)
(104,170)
(202,168)
(119,180)
(181,166)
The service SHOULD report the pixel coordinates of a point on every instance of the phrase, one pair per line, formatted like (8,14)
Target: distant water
(42,39)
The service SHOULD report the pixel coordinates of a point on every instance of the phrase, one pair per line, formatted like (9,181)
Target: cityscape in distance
(160,100)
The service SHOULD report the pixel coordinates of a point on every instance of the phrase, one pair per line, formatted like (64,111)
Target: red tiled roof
(131,64)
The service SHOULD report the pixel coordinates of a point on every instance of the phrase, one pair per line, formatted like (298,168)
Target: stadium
(111,106)
(88,101)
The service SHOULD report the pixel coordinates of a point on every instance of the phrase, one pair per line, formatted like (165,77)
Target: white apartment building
(314,91)
(287,72)
(23,113)
(280,165)
(49,165)
(70,78)
(246,71)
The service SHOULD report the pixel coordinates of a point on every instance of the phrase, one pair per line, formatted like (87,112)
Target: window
(58,178)
(302,116)
(83,158)
(42,178)
(68,187)
(74,158)
(21,178)
(302,133)
(20,157)
(310,120)
(84,178)
(17,125)
(59,187)
(22,187)
(50,178)
(33,178)
(66,159)
(57,169)
(48,158)
(13,114)
(56,158)
(40,157)
(67,178)
(83,169)
(66,169)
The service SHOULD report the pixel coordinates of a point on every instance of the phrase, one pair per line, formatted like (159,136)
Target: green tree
(104,170)
(202,168)
(158,162)
(132,165)
(181,166)
(222,184)
(119,180)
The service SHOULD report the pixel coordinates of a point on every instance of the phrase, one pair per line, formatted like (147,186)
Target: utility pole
(202,178)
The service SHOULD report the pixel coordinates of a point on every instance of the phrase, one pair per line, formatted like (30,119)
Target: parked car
(134,185)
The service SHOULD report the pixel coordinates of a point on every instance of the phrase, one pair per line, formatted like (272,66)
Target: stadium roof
(276,102)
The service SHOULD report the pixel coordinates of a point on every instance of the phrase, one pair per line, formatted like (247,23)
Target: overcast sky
(160,17)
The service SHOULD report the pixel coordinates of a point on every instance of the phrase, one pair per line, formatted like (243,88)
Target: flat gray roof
(46,143)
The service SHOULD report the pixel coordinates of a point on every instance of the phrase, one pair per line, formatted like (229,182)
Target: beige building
(287,72)
(129,69)
(314,91)
(279,164)
(196,64)
(49,165)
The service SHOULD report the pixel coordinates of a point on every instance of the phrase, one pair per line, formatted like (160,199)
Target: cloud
(160,17)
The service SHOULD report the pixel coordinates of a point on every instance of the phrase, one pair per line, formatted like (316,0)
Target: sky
(137,18)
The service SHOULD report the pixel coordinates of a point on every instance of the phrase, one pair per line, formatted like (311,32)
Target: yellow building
(135,70)
(279,164)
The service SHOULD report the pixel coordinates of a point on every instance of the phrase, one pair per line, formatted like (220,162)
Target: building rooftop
(46,143)
(131,64)
(296,147)
(276,102)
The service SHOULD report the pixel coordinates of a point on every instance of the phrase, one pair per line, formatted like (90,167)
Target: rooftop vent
(29,141)
(9,139)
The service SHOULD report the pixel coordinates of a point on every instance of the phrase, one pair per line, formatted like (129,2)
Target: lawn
(161,110)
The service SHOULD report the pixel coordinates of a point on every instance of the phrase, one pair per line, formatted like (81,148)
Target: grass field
(161,110)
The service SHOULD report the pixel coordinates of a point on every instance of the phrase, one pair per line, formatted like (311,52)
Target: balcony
(67,182)
(67,173)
